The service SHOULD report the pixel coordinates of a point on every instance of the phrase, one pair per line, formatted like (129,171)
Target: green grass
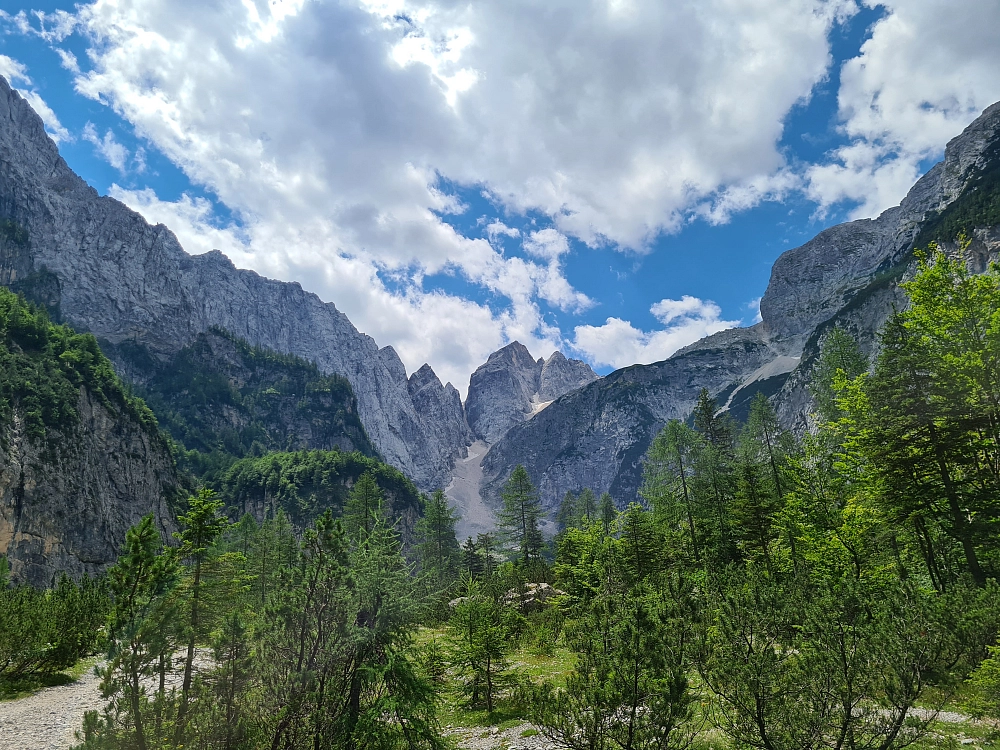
(11,690)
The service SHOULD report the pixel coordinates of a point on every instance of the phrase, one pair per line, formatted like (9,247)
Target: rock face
(848,275)
(512,385)
(67,500)
(102,268)
(220,394)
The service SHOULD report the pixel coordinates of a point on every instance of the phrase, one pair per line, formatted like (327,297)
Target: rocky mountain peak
(512,386)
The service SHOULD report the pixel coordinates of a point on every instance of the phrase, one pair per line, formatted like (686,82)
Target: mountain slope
(221,399)
(848,275)
(102,268)
(80,459)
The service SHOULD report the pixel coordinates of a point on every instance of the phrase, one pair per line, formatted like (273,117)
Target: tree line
(766,591)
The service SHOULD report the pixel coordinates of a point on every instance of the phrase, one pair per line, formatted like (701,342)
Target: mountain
(81,460)
(221,400)
(102,268)
(847,276)
(512,385)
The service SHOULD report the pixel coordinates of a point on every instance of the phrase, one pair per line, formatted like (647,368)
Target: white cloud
(13,71)
(928,70)
(16,73)
(618,343)
(109,149)
(615,121)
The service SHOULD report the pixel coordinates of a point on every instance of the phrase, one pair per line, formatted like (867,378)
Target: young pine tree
(437,546)
(363,507)
(520,514)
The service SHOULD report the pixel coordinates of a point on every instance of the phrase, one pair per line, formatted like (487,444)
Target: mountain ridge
(847,275)
(107,271)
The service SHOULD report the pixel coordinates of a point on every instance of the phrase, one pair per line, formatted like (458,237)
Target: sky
(611,178)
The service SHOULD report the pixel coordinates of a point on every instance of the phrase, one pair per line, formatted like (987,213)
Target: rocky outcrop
(219,394)
(848,275)
(560,375)
(104,269)
(512,386)
(66,500)
(440,410)
(597,435)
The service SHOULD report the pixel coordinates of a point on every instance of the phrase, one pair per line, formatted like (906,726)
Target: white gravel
(48,719)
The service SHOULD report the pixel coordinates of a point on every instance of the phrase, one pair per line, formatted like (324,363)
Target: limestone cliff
(512,386)
(104,269)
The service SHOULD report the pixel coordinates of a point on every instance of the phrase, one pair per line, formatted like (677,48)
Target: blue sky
(610,177)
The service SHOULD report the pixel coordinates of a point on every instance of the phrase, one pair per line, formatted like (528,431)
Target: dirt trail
(476,516)
(48,719)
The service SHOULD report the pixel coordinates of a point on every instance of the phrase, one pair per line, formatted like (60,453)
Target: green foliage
(363,508)
(519,517)
(437,547)
(839,357)
(977,206)
(222,399)
(45,631)
(43,367)
(483,631)
(629,688)
(307,483)
(302,643)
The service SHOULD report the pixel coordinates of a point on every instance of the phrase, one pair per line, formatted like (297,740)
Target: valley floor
(48,719)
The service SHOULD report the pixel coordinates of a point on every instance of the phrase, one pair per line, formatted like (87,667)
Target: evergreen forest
(836,590)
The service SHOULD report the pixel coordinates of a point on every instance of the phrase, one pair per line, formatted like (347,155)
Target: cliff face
(512,386)
(107,271)
(66,500)
(218,394)
(848,275)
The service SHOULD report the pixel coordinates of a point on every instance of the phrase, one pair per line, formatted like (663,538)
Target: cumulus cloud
(928,69)
(331,129)
(618,343)
(611,120)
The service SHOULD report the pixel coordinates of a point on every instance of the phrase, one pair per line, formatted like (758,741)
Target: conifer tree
(519,517)
(472,559)
(568,514)
(363,507)
(586,505)
(839,354)
(667,476)
(608,511)
(437,546)
(201,526)
(139,630)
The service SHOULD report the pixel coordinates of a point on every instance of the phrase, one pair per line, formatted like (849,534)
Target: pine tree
(586,505)
(363,507)
(437,546)
(608,511)
(139,629)
(519,517)
(568,514)
(667,475)
(839,356)
(201,526)
(472,559)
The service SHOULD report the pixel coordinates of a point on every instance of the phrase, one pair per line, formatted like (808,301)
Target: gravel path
(48,719)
